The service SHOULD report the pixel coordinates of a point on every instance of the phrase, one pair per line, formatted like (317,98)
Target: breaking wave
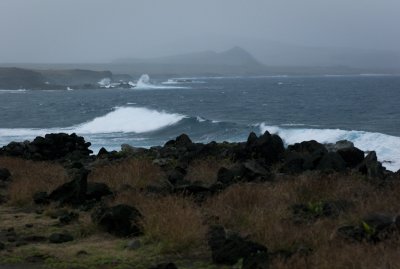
(144,83)
(387,147)
(129,120)
(121,120)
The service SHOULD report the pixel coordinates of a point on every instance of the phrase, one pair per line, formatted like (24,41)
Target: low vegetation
(133,172)
(315,218)
(30,177)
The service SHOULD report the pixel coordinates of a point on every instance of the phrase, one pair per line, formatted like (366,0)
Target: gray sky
(100,30)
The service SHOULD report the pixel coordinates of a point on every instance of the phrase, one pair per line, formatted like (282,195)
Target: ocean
(364,109)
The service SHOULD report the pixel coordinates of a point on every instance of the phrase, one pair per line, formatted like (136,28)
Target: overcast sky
(101,30)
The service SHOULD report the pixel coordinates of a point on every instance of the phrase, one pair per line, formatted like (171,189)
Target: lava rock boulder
(121,220)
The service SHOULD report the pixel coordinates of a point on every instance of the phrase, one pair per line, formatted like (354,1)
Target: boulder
(102,152)
(182,141)
(351,155)
(254,171)
(41,198)
(5,174)
(294,163)
(230,249)
(248,171)
(228,176)
(121,220)
(133,244)
(3,199)
(49,147)
(339,145)
(331,161)
(258,260)
(303,156)
(267,147)
(58,238)
(34,239)
(164,266)
(371,167)
(73,192)
(95,191)
(130,150)
(309,147)
(222,150)
(177,175)
(69,217)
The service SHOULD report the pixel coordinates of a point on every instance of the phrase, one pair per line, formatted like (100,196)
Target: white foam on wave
(13,91)
(176,81)
(120,120)
(387,147)
(130,120)
(144,84)
(200,119)
(170,82)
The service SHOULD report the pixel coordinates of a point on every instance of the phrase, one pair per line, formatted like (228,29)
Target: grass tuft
(29,177)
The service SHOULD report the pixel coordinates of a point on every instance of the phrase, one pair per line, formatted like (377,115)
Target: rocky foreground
(248,205)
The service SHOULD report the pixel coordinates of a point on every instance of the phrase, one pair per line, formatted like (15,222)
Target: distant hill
(232,57)
(74,77)
(235,61)
(20,78)
(272,59)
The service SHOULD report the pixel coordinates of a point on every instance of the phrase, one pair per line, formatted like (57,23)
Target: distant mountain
(235,56)
(280,54)
(272,58)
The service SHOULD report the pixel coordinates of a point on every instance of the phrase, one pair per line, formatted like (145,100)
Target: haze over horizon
(274,32)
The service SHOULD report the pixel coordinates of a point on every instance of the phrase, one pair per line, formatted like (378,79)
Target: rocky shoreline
(193,205)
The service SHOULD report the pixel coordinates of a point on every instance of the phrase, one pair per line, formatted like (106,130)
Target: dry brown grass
(29,177)
(261,211)
(134,172)
(206,170)
(175,222)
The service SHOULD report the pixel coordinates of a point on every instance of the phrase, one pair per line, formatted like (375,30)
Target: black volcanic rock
(352,156)
(332,161)
(267,147)
(59,238)
(371,167)
(5,174)
(229,249)
(73,192)
(49,147)
(181,141)
(41,198)
(164,266)
(121,220)
(95,191)
(310,147)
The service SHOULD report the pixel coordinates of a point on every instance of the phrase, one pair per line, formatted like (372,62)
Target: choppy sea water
(363,109)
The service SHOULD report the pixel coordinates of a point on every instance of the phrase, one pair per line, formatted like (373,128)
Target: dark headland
(254,204)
